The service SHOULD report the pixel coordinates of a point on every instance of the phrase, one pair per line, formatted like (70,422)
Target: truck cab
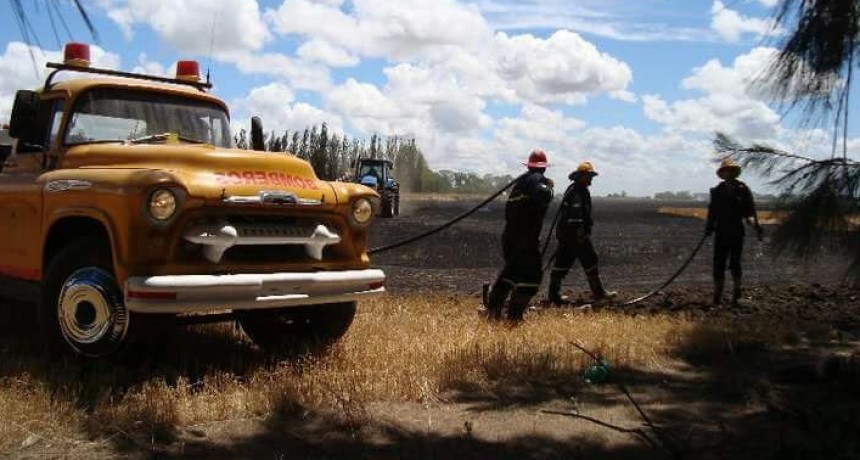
(124,199)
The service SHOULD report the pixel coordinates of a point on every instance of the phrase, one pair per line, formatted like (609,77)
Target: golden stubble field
(426,350)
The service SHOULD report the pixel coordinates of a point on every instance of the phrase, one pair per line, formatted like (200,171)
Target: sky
(637,88)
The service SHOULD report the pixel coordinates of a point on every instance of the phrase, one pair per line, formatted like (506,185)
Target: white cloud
(196,26)
(17,70)
(730,25)
(626,159)
(730,104)
(145,66)
(299,73)
(769,3)
(275,104)
(382,28)
(547,128)
(562,68)
(322,51)
(628,21)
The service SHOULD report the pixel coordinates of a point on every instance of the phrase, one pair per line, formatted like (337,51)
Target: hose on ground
(671,278)
(443,226)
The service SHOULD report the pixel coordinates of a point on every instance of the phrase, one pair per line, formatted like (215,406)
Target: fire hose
(546,243)
(443,226)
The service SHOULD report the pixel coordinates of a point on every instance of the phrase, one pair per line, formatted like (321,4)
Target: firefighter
(731,204)
(573,232)
(524,213)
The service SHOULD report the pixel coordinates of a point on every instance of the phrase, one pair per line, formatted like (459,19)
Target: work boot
(736,292)
(596,285)
(555,290)
(719,284)
(495,300)
(517,307)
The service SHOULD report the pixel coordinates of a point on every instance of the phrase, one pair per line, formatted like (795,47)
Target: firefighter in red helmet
(524,214)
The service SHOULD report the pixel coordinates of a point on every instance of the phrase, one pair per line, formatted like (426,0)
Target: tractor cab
(373,172)
(376,174)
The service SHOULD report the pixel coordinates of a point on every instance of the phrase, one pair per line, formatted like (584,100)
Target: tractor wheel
(298,329)
(397,206)
(387,207)
(81,307)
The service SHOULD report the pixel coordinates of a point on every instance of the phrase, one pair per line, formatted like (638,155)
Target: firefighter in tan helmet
(731,204)
(573,232)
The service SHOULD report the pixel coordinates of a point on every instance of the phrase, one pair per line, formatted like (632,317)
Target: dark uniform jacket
(574,218)
(731,202)
(525,210)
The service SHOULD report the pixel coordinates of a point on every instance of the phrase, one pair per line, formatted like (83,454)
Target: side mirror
(257,141)
(23,121)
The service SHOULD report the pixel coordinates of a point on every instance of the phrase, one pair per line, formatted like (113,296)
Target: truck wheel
(81,307)
(303,328)
(387,208)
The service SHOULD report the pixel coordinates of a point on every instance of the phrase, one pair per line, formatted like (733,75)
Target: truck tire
(82,308)
(298,329)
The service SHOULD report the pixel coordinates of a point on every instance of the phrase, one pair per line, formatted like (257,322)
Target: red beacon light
(76,54)
(188,71)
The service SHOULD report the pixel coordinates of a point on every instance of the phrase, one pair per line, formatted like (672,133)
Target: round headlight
(162,204)
(362,210)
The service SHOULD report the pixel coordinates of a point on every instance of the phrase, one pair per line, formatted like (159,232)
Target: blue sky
(638,88)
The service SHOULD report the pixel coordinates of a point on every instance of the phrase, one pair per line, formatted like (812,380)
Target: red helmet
(537,159)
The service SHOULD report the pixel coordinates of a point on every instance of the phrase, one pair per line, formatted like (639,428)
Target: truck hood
(208,172)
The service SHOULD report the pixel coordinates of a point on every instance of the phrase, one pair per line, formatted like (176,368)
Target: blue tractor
(376,174)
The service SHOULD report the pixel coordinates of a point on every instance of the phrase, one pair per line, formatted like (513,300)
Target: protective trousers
(569,250)
(520,278)
(727,247)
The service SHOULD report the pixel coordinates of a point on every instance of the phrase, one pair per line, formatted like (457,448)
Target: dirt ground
(801,400)
(638,249)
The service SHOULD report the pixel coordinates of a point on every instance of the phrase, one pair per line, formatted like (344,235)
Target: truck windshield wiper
(161,138)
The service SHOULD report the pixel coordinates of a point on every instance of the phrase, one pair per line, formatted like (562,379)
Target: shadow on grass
(738,392)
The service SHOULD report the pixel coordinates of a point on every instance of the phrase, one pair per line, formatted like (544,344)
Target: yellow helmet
(584,168)
(728,169)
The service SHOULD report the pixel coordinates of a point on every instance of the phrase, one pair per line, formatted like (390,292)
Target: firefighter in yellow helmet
(731,204)
(573,232)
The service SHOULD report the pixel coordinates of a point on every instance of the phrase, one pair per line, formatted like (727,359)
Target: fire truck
(124,201)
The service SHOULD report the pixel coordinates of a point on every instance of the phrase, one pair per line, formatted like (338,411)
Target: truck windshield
(123,115)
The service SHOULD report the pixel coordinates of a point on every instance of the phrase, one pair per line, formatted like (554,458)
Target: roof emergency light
(188,71)
(76,55)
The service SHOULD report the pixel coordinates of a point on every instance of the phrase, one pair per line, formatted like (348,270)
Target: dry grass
(764,217)
(400,348)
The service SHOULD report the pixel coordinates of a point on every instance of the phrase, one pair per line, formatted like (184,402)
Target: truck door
(21,197)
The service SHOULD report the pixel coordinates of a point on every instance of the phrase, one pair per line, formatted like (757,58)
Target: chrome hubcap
(89,309)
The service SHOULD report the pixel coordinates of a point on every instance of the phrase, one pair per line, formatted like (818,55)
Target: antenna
(211,44)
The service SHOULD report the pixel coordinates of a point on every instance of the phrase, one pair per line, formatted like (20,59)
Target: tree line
(332,156)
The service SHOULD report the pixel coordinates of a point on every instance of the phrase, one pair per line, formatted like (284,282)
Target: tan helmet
(728,169)
(584,168)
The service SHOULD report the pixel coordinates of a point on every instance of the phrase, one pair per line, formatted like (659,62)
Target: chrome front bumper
(203,293)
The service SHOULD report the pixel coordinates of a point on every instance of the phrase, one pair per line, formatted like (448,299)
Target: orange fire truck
(125,201)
